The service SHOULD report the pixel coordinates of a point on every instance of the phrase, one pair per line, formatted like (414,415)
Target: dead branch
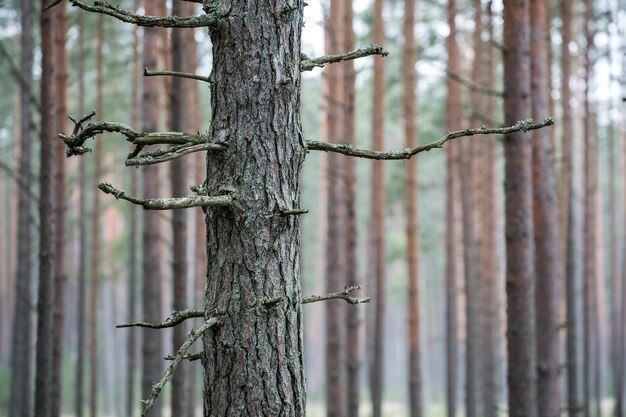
(171,203)
(190,357)
(180,355)
(521,126)
(148,73)
(473,86)
(167,154)
(307,64)
(174,319)
(17,75)
(206,20)
(343,295)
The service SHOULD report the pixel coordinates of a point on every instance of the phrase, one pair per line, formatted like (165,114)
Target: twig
(521,126)
(343,295)
(307,64)
(473,86)
(148,73)
(171,203)
(174,319)
(162,155)
(17,74)
(180,355)
(206,20)
(50,5)
(190,357)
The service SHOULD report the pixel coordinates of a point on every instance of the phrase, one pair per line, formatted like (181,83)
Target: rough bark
(518,210)
(178,96)
(376,365)
(335,265)
(545,222)
(411,185)
(152,348)
(453,106)
(253,362)
(43,361)
(60,80)
(21,348)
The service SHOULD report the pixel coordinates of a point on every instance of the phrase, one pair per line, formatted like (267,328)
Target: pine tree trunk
(545,215)
(411,185)
(253,362)
(518,209)
(21,357)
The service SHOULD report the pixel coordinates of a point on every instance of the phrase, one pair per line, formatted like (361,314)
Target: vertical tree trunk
(253,362)
(152,256)
(453,122)
(95,221)
(60,80)
(335,265)
(545,210)
(376,365)
(411,185)
(353,313)
(43,362)
(21,358)
(178,96)
(518,209)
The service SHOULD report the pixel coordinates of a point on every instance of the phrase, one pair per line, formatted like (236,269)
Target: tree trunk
(152,256)
(411,185)
(21,356)
(453,122)
(43,362)
(376,366)
(253,362)
(60,79)
(178,96)
(545,215)
(518,209)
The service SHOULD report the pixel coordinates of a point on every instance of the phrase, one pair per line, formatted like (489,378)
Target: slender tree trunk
(178,96)
(518,208)
(43,362)
(253,362)
(21,348)
(453,122)
(353,313)
(152,251)
(411,185)
(545,215)
(376,366)
(60,75)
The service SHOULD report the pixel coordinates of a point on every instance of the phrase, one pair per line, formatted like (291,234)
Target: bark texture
(518,210)
(545,215)
(21,348)
(253,362)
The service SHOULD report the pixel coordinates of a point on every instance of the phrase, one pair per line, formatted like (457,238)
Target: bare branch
(307,64)
(162,155)
(50,5)
(206,20)
(180,355)
(174,319)
(171,203)
(148,73)
(473,86)
(521,126)
(343,295)
(190,357)
(17,75)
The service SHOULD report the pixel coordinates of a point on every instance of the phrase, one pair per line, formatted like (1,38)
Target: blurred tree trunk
(47,243)
(411,185)
(60,79)
(545,210)
(353,313)
(95,224)
(453,122)
(377,336)
(152,251)
(335,259)
(518,209)
(178,108)
(21,348)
